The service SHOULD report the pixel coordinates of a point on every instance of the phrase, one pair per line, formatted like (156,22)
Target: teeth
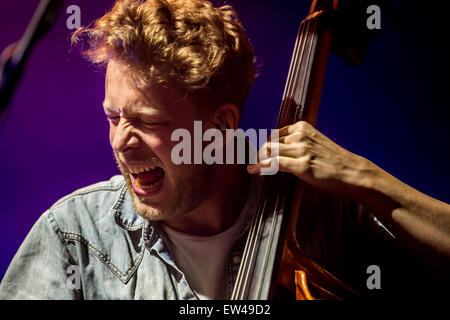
(137,170)
(153,165)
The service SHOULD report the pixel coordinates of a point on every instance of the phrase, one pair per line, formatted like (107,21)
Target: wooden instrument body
(273,257)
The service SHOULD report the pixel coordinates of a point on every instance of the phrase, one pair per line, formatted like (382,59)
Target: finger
(300,126)
(292,165)
(297,166)
(264,167)
(267,150)
(292,150)
(295,136)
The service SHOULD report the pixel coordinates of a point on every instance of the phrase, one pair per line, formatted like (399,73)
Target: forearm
(420,222)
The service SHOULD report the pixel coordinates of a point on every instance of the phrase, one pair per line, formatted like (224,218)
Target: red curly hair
(189,42)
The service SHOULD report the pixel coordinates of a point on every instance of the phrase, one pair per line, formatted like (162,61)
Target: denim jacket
(92,244)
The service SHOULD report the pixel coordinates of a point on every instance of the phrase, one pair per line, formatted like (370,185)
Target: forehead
(123,95)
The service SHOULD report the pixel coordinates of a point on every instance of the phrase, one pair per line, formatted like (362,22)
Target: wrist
(364,179)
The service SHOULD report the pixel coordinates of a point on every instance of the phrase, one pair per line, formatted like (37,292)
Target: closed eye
(113,118)
(153,125)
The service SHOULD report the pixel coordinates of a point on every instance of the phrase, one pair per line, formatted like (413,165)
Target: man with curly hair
(176,231)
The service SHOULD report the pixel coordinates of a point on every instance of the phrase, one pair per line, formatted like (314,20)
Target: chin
(182,190)
(150,209)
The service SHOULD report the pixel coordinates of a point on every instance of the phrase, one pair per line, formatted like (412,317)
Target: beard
(188,188)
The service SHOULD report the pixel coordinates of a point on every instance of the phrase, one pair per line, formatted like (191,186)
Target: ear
(226,116)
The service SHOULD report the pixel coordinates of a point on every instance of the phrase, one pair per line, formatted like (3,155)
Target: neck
(222,207)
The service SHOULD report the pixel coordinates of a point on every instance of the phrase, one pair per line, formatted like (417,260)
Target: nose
(123,138)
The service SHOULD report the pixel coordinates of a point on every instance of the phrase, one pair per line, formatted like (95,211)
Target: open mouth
(147,181)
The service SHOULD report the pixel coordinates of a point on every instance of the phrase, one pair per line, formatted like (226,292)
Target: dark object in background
(14,57)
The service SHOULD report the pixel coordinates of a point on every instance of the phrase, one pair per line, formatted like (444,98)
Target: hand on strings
(305,152)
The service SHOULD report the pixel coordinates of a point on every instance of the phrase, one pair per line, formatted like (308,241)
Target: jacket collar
(124,213)
(126,217)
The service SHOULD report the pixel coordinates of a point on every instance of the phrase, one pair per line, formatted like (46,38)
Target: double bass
(274,260)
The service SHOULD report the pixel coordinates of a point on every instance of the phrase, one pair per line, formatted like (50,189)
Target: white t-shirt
(202,259)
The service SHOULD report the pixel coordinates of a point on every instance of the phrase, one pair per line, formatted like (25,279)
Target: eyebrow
(107,107)
(140,113)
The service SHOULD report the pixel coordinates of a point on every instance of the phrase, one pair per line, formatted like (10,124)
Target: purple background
(393,109)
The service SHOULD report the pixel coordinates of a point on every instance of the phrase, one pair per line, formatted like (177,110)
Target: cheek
(160,144)
(156,141)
